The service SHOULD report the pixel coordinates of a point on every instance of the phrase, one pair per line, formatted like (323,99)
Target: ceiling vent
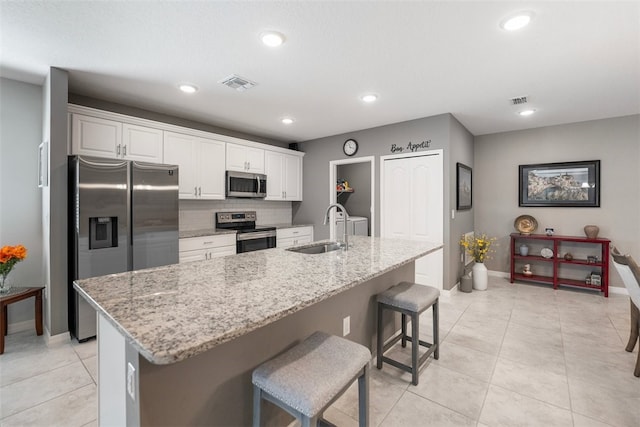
(238,83)
(518,100)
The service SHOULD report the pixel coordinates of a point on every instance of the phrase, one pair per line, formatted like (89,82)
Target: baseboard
(450,292)
(495,273)
(617,290)
(29,325)
(25,325)
(612,289)
(58,338)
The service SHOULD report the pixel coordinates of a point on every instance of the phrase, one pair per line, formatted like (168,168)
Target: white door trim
(333,164)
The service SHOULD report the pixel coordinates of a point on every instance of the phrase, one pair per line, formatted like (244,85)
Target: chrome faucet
(345,217)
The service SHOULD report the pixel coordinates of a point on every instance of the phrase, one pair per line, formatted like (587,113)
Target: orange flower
(19,252)
(9,256)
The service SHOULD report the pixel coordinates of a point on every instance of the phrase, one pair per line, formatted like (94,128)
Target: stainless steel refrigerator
(123,216)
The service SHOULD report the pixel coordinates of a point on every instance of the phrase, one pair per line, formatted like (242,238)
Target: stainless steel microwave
(243,184)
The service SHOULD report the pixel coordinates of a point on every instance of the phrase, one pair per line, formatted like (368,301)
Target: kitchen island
(177,344)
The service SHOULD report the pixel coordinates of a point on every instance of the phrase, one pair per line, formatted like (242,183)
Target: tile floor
(514,355)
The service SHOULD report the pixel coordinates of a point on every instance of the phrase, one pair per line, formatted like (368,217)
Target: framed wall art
(568,184)
(464,187)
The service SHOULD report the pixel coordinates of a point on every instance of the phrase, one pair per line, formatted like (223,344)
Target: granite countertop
(204,232)
(284,225)
(185,234)
(175,312)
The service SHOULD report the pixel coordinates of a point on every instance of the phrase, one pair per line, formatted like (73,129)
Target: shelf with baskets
(590,269)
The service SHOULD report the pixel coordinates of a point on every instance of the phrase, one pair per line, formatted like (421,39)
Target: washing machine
(356,225)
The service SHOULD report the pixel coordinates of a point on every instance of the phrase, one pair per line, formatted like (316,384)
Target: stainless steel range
(249,237)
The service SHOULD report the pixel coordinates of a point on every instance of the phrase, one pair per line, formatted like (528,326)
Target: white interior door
(412,207)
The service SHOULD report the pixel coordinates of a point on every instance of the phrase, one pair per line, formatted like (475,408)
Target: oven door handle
(256,235)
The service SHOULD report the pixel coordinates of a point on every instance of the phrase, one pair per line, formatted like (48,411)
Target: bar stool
(410,299)
(308,378)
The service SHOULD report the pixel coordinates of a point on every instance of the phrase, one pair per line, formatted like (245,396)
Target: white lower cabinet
(294,236)
(206,247)
(201,162)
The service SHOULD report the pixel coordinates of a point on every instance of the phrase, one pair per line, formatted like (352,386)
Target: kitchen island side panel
(214,388)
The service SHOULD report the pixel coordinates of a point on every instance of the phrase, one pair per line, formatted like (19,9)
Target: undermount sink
(318,248)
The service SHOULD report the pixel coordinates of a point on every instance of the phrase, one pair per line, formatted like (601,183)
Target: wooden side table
(15,295)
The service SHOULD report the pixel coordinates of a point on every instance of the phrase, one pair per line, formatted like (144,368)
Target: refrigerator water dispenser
(103,232)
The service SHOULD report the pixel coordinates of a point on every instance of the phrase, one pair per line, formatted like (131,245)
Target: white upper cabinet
(284,176)
(201,163)
(141,143)
(243,158)
(94,136)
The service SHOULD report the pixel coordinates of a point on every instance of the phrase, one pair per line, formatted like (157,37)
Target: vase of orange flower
(9,257)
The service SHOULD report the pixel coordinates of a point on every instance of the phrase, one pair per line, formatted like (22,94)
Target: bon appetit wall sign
(410,147)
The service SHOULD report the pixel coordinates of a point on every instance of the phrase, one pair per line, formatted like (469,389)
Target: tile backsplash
(200,214)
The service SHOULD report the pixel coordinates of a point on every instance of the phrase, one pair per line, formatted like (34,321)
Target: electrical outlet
(346,326)
(131,381)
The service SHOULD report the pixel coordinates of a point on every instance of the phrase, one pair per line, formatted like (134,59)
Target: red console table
(557,264)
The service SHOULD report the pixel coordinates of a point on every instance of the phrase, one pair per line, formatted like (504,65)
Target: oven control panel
(232,217)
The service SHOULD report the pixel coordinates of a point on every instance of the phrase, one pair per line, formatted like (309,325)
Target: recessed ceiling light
(187,88)
(272,38)
(517,21)
(526,112)
(287,120)
(371,97)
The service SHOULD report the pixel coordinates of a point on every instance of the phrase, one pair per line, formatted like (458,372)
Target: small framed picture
(464,188)
(43,164)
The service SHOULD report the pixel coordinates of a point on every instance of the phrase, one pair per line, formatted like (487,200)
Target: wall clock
(350,147)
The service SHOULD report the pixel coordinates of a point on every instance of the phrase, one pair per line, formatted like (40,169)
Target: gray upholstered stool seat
(306,379)
(410,299)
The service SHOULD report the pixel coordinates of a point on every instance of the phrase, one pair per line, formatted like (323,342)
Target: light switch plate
(346,326)
(131,381)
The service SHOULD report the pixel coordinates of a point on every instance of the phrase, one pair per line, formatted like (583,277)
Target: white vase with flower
(479,247)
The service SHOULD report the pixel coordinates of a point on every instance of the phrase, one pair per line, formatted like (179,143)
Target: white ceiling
(576,61)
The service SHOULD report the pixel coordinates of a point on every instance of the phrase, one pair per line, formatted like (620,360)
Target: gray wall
(164,118)
(460,150)
(20,200)
(615,142)
(54,201)
(444,131)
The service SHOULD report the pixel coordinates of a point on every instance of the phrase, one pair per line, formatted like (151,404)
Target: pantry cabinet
(243,158)
(94,136)
(284,176)
(201,162)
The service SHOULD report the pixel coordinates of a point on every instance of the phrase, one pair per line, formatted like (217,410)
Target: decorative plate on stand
(546,253)
(525,224)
